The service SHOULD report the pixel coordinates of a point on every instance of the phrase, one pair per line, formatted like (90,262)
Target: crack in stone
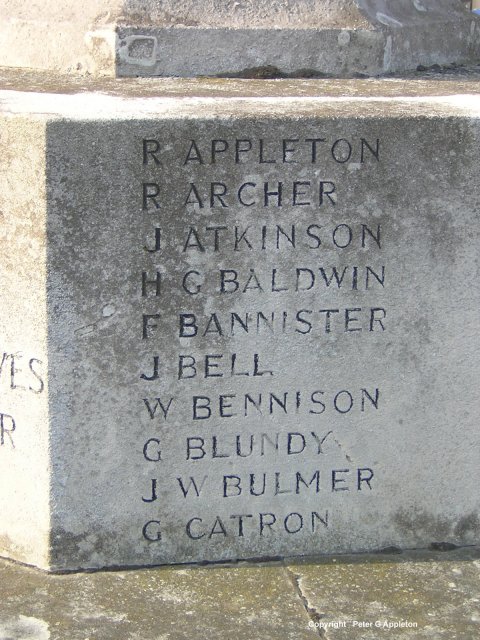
(314,615)
(339,444)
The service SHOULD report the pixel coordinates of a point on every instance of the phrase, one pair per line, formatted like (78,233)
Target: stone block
(237,326)
(191,38)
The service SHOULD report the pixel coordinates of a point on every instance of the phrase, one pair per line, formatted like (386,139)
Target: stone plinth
(237,324)
(192,38)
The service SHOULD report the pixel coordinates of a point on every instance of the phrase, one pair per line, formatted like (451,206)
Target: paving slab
(417,595)
(433,594)
(250,601)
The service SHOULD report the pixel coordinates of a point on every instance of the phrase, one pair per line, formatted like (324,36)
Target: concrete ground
(397,596)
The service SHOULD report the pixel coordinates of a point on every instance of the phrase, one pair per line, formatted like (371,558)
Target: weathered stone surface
(159,604)
(360,285)
(191,38)
(24,478)
(437,593)
(418,596)
(371,37)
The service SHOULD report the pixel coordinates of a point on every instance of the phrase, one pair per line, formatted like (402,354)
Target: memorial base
(238,320)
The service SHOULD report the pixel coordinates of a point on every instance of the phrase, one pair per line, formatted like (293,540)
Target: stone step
(192,38)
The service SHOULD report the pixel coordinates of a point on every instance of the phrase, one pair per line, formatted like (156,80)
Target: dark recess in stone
(443,546)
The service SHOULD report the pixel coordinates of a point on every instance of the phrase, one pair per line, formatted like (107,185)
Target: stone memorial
(239,319)
(211,37)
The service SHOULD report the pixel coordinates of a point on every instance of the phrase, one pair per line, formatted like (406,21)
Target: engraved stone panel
(262,328)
